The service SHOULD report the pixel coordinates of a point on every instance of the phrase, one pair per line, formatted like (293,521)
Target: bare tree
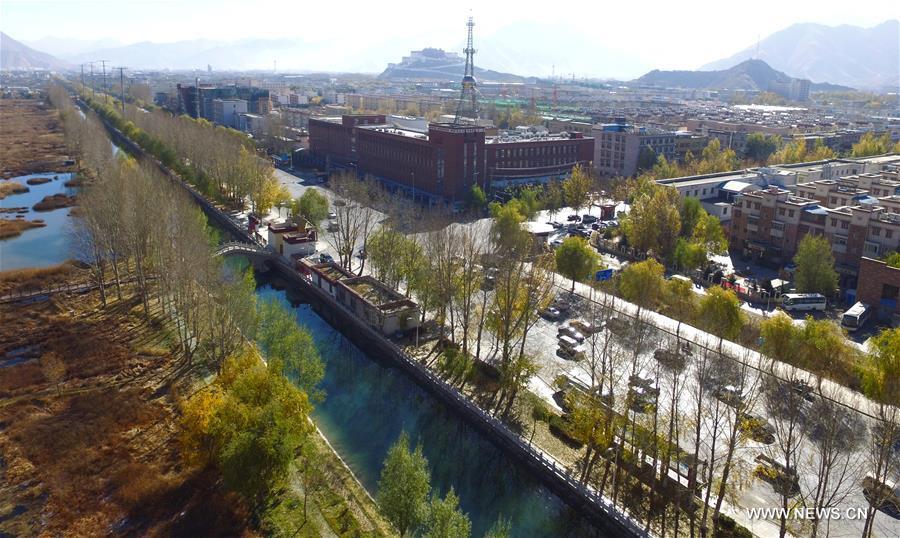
(835,433)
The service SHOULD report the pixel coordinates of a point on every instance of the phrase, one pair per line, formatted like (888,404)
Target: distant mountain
(64,47)
(17,55)
(849,55)
(437,64)
(749,75)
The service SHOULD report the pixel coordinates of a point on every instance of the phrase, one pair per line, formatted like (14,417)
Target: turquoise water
(368,403)
(38,247)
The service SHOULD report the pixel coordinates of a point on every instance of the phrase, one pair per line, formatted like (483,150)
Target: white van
(856,317)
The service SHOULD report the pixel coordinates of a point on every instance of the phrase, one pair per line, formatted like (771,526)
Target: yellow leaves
(196,416)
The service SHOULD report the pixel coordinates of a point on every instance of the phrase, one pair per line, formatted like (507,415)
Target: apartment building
(768,224)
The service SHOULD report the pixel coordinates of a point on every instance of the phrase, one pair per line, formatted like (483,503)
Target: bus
(803,301)
(856,317)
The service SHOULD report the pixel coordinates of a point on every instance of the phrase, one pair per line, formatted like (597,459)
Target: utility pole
(82,77)
(122,87)
(92,79)
(105,85)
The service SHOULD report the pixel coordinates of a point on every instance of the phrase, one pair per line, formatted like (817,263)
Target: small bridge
(261,258)
(243,249)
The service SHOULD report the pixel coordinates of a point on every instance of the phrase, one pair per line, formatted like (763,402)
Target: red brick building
(879,286)
(447,160)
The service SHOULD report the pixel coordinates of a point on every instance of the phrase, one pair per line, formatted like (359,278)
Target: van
(854,318)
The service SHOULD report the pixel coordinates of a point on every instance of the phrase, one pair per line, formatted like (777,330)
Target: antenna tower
(468,97)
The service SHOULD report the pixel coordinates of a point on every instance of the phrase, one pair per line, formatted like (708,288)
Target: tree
(893,259)
(553,198)
(529,203)
(250,424)
(884,368)
(815,266)
(404,485)
(869,145)
(445,519)
(779,337)
(282,339)
(384,251)
(53,368)
(720,313)
(709,234)
(312,205)
(690,214)
(880,384)
(760,146)
(500,529)
(688,255)
(654,223)
(577,188)
(798,151)
(477,200)
(507,234)
(641,283)
(576,260)
(646,158)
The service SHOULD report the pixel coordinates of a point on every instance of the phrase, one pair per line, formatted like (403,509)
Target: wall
(878,286)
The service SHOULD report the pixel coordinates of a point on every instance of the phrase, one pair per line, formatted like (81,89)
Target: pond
(38,247)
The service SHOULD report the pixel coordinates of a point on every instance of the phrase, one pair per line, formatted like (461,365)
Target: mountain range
(866,58)
(17,55)
(754,75)
(851,56)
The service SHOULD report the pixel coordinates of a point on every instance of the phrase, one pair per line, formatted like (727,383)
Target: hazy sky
(663,34)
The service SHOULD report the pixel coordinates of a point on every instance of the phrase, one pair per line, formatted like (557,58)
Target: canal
(368,402)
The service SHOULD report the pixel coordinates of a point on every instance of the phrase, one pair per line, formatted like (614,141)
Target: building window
(845,224)
(876,231)
(889,234)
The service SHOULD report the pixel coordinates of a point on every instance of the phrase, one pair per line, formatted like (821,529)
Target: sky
(646,33)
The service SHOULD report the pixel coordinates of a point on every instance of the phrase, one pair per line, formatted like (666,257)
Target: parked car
(587,219)
(784,479)
(641,399)
(568,341)
(332,215)
(556,243)
(325,258)
(551,313)
(730,396)
(570,354)
(361,254)
(886,495)
(571,332)
(670,359)
(333,226)
(573,218)
(488,283)
(585,327)
(758,428)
